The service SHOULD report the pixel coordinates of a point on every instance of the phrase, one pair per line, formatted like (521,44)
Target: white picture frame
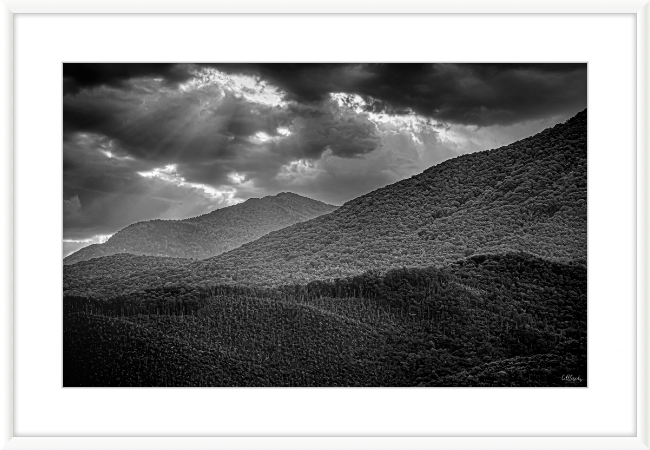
(641,8)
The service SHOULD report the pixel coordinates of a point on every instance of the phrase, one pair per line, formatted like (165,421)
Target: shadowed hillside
(488,320)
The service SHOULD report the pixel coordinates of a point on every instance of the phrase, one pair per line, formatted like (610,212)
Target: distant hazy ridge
(210,234)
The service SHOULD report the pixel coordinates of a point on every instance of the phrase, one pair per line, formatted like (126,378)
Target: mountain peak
(289,194)
(209,234)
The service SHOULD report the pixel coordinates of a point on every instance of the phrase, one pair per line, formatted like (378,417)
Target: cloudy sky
(171,141)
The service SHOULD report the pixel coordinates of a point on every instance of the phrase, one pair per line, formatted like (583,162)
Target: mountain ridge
(208,234)
(529,196)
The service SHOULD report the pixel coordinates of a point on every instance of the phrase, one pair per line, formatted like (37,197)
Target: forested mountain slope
(209,234)
(528,196)
(487,320)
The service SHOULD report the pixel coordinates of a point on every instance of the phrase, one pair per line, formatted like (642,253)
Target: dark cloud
(467,94)
(344,133)
(77,76)
(210,131)
(194,128)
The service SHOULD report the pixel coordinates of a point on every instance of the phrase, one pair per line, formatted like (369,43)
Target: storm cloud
(82,76)
(145,141)
(465,94)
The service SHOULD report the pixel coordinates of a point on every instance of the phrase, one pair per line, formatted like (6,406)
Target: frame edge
(325,7)
(8,441)
(643,222)
(6,242)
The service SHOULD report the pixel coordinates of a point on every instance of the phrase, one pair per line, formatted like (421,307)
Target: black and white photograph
(324,224)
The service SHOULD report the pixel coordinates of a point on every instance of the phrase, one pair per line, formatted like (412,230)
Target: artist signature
(571,378)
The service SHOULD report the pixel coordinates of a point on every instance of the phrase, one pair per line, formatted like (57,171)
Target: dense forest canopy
(488,320)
